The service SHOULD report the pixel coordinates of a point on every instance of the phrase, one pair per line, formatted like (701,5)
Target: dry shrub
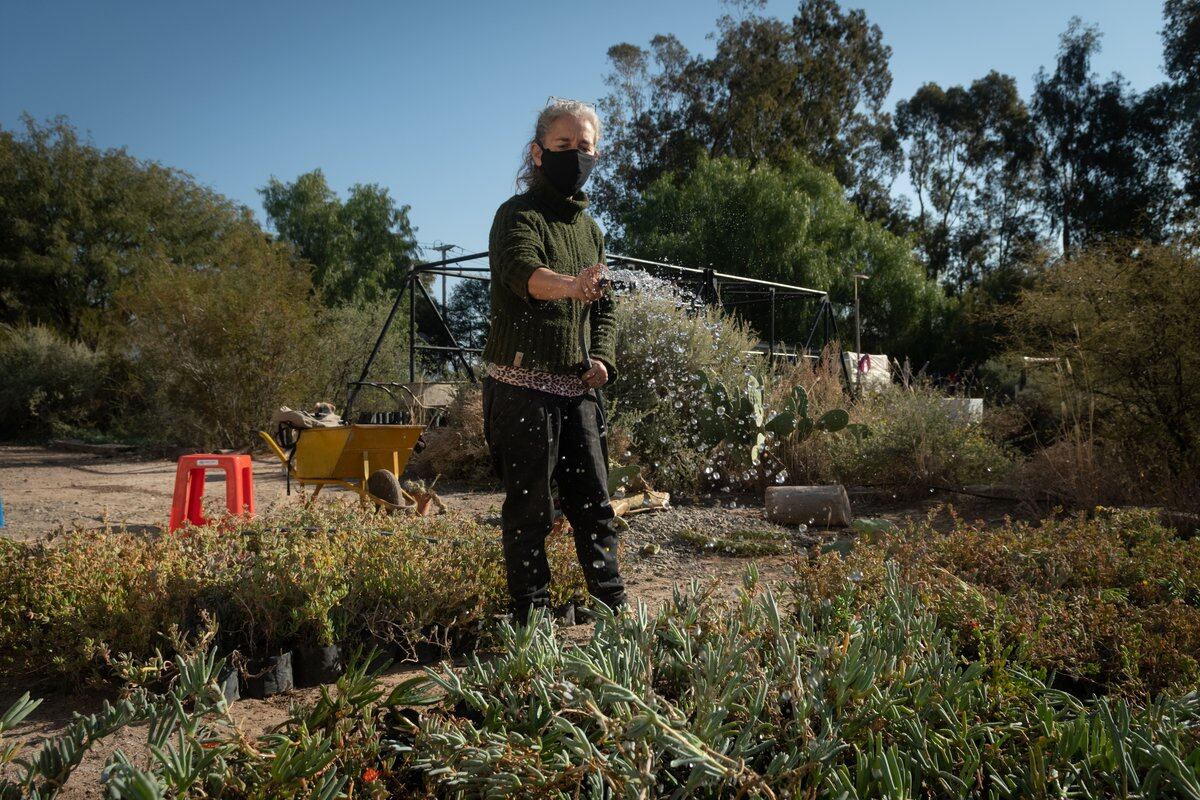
(915,444)
(1110,603)
(457,451)
(1075,474)
(1119,321)
(911,444)
(216,350)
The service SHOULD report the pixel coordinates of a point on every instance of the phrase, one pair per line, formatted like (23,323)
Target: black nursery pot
(229,681)
(269,676)
(429,652)
(385,653)
(465,640)
(565,614)
(317,665)
(433,647)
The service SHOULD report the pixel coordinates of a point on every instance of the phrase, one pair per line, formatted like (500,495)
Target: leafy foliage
(1110,604)
(195,747)
(1181,54)
(663,345)
(359,248)
(916,442)
(790,224)
(68,607)
(1103,149)
(734,417)
(50,384)
(972,166)
(701,698)
(814,84)
(216,350)
(1139,380)
(704,701)
(80,223)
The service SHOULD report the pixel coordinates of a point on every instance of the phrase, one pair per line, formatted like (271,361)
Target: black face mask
(566,170)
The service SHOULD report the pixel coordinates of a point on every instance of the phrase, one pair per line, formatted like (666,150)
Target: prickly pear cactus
(735,417)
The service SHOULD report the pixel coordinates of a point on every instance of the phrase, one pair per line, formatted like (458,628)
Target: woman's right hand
(587,286)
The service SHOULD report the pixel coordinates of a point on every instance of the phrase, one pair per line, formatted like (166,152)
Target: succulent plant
(737,417)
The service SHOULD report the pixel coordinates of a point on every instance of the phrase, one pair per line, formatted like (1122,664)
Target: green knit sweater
(541,228)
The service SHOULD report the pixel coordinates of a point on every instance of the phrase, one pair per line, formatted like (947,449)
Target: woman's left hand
(597,376)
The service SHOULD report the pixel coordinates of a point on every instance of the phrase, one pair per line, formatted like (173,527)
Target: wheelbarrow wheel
(384,485)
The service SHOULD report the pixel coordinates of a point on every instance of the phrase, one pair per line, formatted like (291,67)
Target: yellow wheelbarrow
(367,459)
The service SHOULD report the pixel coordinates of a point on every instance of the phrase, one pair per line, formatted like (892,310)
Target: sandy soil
(44,490)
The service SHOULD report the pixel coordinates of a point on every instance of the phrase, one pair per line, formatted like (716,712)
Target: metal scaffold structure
(717,288)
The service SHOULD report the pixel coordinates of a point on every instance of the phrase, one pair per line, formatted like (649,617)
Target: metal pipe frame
(720,288)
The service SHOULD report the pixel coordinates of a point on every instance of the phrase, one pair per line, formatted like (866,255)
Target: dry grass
(811,460)
(458,450)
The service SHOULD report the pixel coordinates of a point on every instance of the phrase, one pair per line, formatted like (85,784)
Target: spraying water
(664,351)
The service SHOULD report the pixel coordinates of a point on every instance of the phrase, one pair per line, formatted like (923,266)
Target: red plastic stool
(189,487)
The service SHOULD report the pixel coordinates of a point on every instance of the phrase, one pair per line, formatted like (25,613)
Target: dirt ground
(45,490)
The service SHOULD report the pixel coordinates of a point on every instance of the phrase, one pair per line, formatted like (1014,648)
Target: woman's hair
(529,174)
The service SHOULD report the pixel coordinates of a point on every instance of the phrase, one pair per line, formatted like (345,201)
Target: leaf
(833,420)
(782,424)
(619,477)
(800,401)
(869,525)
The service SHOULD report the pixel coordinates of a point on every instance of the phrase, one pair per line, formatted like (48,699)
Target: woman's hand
(597,376)
(546,284)
(586,285)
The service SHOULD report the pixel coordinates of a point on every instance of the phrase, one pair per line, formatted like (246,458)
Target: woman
(542,418)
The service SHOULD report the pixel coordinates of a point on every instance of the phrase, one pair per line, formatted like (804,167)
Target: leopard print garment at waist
(561,385)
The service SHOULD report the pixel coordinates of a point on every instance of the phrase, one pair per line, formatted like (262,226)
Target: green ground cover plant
(705,697)
(71,605)
(1105,604)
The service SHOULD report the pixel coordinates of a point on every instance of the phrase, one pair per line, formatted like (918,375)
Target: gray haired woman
(542,418)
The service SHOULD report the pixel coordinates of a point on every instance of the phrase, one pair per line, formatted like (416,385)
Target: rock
(823,506)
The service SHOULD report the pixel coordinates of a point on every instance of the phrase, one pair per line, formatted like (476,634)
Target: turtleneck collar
(566,208)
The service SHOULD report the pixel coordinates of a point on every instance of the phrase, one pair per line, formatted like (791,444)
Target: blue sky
(435,99)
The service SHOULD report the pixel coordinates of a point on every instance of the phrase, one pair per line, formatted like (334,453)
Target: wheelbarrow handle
(270,440)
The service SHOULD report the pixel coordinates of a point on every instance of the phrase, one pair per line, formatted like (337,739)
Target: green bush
(664,348)
(50,384)
(915,444)
(68,606)
(1110,604)
(215,351)
(341,342)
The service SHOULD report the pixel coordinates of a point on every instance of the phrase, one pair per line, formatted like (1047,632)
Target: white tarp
(966,410)
(872,371)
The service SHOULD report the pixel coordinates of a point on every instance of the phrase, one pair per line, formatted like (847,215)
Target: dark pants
(535,438)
